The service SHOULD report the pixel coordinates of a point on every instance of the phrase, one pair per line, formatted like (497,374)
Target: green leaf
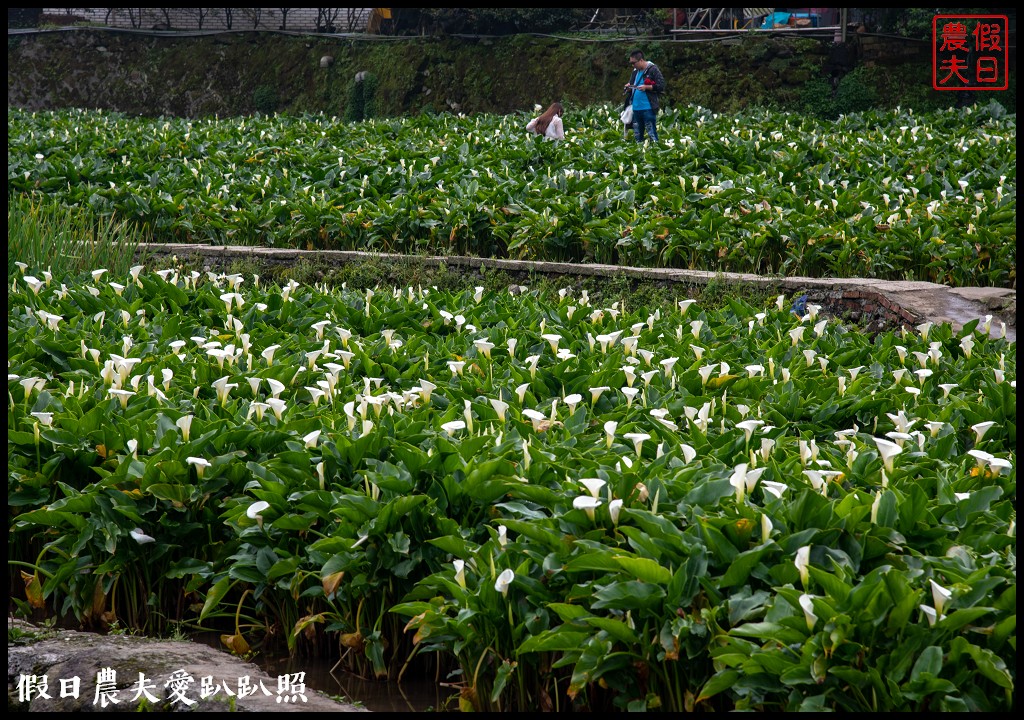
(929,661)
(834,587)
(904,598)
(768,631)
(188,566)
(593,560)
(247,573)
(990,665)
(60,437)
(287,566)
(536,532)
(213,598)
(568,612)
(560,639)
(454,545)
(630,595)
(616,628)
(742,565)
(501,679)
(644,569)
(723,550)
(175,493)
(294,523)
(55,350)
(686,581)
(719,682)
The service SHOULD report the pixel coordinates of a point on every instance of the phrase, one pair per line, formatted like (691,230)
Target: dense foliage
(893,195)
(498,21)
(569,504)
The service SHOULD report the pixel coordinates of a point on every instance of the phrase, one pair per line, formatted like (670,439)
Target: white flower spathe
(504,581)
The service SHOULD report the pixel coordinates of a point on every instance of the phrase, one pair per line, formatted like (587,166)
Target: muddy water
(376,696)
(410,696)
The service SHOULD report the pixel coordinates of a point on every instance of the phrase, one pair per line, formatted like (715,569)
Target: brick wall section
(339,20)
(890,51)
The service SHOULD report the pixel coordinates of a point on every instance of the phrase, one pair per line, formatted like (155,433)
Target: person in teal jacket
(645,86)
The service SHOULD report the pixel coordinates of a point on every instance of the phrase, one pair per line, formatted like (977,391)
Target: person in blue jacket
(645,86)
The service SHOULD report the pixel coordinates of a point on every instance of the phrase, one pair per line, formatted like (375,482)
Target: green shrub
(816,99)
(362,104)
(856,92)
(264,99)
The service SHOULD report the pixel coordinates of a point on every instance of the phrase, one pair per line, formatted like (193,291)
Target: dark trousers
(645,120)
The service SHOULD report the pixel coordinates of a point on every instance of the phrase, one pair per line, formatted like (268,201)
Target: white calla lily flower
(807,605)
(572,401)
(453,426)
(609,432)
(748,427)
(980,429)
(500,407)
(255,511)
(310,439)
(44,418)
(940,595)
(776,489)
(888,450)
(638,441)
(140,537)
(536,418)
(199,463)
(484,347)
(931,613)
(614,509)
(593,485)
(587,503)
(596,392)
(504,581)
(803,563)
(553,340)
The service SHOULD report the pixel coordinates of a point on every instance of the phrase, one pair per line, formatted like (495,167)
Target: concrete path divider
(874,304)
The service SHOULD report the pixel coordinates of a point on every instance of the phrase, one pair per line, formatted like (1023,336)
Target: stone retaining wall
(868,308)
(864,302)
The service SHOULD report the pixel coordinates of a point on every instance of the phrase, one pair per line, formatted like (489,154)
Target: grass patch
(67,241)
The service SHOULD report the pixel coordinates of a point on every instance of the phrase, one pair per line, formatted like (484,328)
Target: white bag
(627,115)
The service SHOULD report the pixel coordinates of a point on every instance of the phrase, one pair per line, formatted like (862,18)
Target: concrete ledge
(876,303)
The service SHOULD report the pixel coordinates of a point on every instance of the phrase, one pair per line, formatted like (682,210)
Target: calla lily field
(545,500)
(565,504)
(892,195)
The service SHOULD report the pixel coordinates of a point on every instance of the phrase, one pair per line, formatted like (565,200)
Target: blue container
(773,19)
(782,18)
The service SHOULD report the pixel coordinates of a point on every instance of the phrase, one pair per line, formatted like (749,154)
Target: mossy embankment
(221,74)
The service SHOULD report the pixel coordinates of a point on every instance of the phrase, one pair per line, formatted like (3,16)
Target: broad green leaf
(645,569)
(742,565)
(628,595)
(616,628)
(558,639)
(768,631)
(929,662)
(720,682)
(214,597)
(568,612)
